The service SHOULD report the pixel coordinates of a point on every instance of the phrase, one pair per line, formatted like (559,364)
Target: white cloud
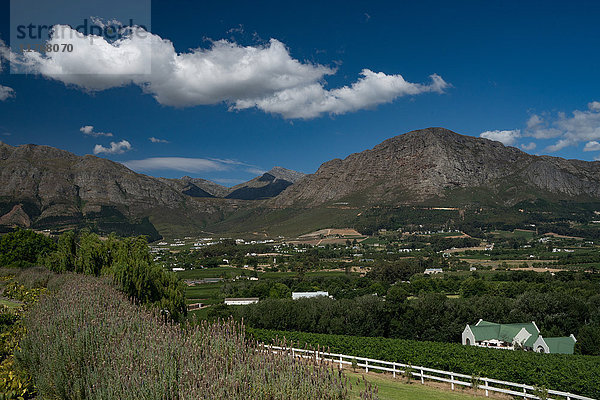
(580,126)
(256,171)
(561,144)
(89,130)
(6,93)
(371,89)
(534,121)
(189,165)
(157,140)
(592,146)
(529,147)
(540,129)
(508,137)
(264,76)
(115,148)
(594,106)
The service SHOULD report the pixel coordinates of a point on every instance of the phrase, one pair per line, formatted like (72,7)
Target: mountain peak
(285,174)
(268,185)
(431,163)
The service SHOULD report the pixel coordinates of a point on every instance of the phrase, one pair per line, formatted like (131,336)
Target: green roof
(485,330)
(561,345)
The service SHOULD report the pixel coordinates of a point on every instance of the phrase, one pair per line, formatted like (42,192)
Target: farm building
(194,306)
(240,301)
(558,345)
(307,295)
(512,336)
(431,271)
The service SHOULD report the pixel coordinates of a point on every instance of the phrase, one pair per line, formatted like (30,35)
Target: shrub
(85,340)
(128,261)
(23,247)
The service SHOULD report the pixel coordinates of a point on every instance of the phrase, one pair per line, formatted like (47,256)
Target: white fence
(485,384)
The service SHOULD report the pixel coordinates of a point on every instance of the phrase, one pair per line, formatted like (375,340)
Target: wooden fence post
(415,371)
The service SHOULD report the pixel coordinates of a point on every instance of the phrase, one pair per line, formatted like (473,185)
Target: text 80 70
(48,48)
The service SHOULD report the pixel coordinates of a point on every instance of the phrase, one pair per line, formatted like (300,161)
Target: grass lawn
(448,234)
(395,389)
(517,233)
(216,272)
(210,293)
(309,273)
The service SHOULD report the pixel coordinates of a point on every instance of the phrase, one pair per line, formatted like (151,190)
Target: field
(571,373)
(217,272)
(120,350)
(395,389)
(207,293)
(517,233)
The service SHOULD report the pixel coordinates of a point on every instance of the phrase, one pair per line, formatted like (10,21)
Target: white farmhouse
(308,295)
(240,301)
(432,271)
(512,336)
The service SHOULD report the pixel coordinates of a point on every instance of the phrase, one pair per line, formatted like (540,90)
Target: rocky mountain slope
(436,163)
(46,187)
(43,187)
(196,187)
(269,184)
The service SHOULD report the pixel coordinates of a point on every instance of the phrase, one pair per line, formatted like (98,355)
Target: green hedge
(570,373)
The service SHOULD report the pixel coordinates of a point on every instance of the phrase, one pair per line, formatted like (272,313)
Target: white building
(240,301)
(431,271)
(524,336)
(308,295)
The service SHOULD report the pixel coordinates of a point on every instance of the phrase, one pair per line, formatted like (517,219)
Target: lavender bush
(85,340)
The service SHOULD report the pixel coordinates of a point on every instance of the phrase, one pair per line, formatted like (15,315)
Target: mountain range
(267,185)
(430,164)
(44,187)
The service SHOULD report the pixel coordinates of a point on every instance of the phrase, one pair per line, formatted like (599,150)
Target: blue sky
(521,72)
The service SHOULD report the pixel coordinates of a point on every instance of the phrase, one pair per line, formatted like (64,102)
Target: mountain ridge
(41,186)
(424,164)
(267,185)
(58,188)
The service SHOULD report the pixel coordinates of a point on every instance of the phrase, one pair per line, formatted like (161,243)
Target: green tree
(63,259)
(472,287)
(92,255)
(397,294)
(588,341)
(280,291)
(128,261)
(24,247)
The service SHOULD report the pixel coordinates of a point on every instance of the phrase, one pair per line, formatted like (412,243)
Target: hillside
(196,187)
(435,177)
(435,162)
(269,184)
(44,187)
